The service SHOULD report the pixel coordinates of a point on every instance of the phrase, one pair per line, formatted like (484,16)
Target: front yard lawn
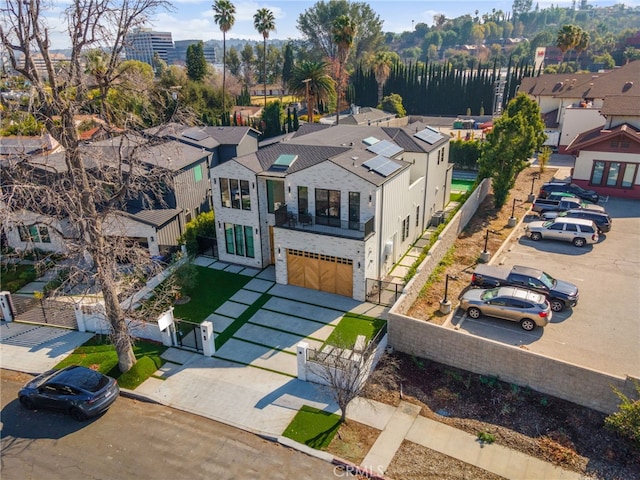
(313,427)
(352,325)
(212,288)
(99,354)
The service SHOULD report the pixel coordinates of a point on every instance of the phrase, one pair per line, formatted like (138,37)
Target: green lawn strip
(241,320)
(312,427)
(212,289)
(97,353)
(304,337)
(254,366)
(352,325)
(270,347)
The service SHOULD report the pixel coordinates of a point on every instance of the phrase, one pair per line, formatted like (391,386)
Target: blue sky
(193,19)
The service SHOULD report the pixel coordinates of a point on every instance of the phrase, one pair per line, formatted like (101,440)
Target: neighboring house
(608,158)
(272,90)
(20,145)
(332,208)
(571,103)
(224,143)
(154,223)
(360,116)
(246,113)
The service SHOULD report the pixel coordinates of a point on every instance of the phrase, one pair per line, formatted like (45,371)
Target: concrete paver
(231,309)
(259,285)
(295,325)
(275,338)
(249,272)
(234,268)
(258,356)
(245,296)
(312,312)
(220,322)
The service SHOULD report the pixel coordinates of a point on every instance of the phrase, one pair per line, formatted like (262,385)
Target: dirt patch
(472,239)
(415,462)
(353,441)
(554,430)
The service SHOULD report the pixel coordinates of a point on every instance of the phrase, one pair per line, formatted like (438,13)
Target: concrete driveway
(602,332)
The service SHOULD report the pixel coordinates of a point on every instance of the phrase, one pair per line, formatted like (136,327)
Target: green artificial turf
(99,354)
(212,289)
(315,428)
(352,325)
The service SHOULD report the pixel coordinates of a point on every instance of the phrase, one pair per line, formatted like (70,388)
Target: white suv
(578,231)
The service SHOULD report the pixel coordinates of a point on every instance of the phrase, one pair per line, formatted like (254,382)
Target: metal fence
(381,292)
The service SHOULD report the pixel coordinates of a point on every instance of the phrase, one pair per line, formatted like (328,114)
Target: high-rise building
(143,43)
(181,51)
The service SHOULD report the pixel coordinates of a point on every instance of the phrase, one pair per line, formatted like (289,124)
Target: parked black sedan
(76,390)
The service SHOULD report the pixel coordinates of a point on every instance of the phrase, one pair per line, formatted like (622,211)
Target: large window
(328,207)
(354,210)
(613,174)
(275,195)
(34,233)
(234,193)
(239,240)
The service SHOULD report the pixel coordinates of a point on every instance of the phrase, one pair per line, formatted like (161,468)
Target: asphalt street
(142,441)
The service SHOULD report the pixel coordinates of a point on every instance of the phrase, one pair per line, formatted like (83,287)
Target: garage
(320,272)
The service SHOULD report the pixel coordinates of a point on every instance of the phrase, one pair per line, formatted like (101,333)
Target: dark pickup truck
(544,205)
(560,294)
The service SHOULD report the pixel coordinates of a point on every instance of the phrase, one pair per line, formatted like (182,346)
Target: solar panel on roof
(388,168)
(375,162)
(429,135)
(382,165)
(195,134)
(385,148)
(370,141)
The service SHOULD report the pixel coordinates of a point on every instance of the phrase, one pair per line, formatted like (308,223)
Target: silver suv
(578,231)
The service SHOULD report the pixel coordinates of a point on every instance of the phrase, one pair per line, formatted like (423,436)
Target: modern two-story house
(332,207)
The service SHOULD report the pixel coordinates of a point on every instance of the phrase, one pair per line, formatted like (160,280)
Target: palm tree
(313,81)
(381,63)
(567,38)
(344,32)
(224,12)
(264,22)
(582,44)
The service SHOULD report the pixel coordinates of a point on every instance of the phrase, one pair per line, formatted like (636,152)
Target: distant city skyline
(193,19)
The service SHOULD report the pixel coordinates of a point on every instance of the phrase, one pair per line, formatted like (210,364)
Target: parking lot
(603,331)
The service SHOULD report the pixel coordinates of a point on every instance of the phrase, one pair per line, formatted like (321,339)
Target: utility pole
(306,89)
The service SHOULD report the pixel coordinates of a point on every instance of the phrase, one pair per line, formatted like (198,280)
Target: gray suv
(578,231)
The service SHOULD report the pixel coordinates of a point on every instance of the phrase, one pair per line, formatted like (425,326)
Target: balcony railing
(323,225)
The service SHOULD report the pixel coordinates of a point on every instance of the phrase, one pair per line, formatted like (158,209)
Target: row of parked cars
(569,213)
(521,294)
(529,295)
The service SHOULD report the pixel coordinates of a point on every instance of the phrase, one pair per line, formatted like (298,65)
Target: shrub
(626,421)
(485,437)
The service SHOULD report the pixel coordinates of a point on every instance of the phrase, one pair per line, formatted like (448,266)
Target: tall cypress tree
(196,63)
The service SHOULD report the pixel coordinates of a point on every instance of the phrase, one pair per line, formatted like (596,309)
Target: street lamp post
(512,220)
(485,255)
(532,197)
(445,304)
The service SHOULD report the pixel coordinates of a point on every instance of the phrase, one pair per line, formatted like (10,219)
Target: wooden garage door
(320,272)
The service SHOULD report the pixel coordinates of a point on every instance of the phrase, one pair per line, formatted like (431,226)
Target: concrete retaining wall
(511,364)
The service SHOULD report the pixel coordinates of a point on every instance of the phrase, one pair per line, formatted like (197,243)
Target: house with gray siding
(331,207)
